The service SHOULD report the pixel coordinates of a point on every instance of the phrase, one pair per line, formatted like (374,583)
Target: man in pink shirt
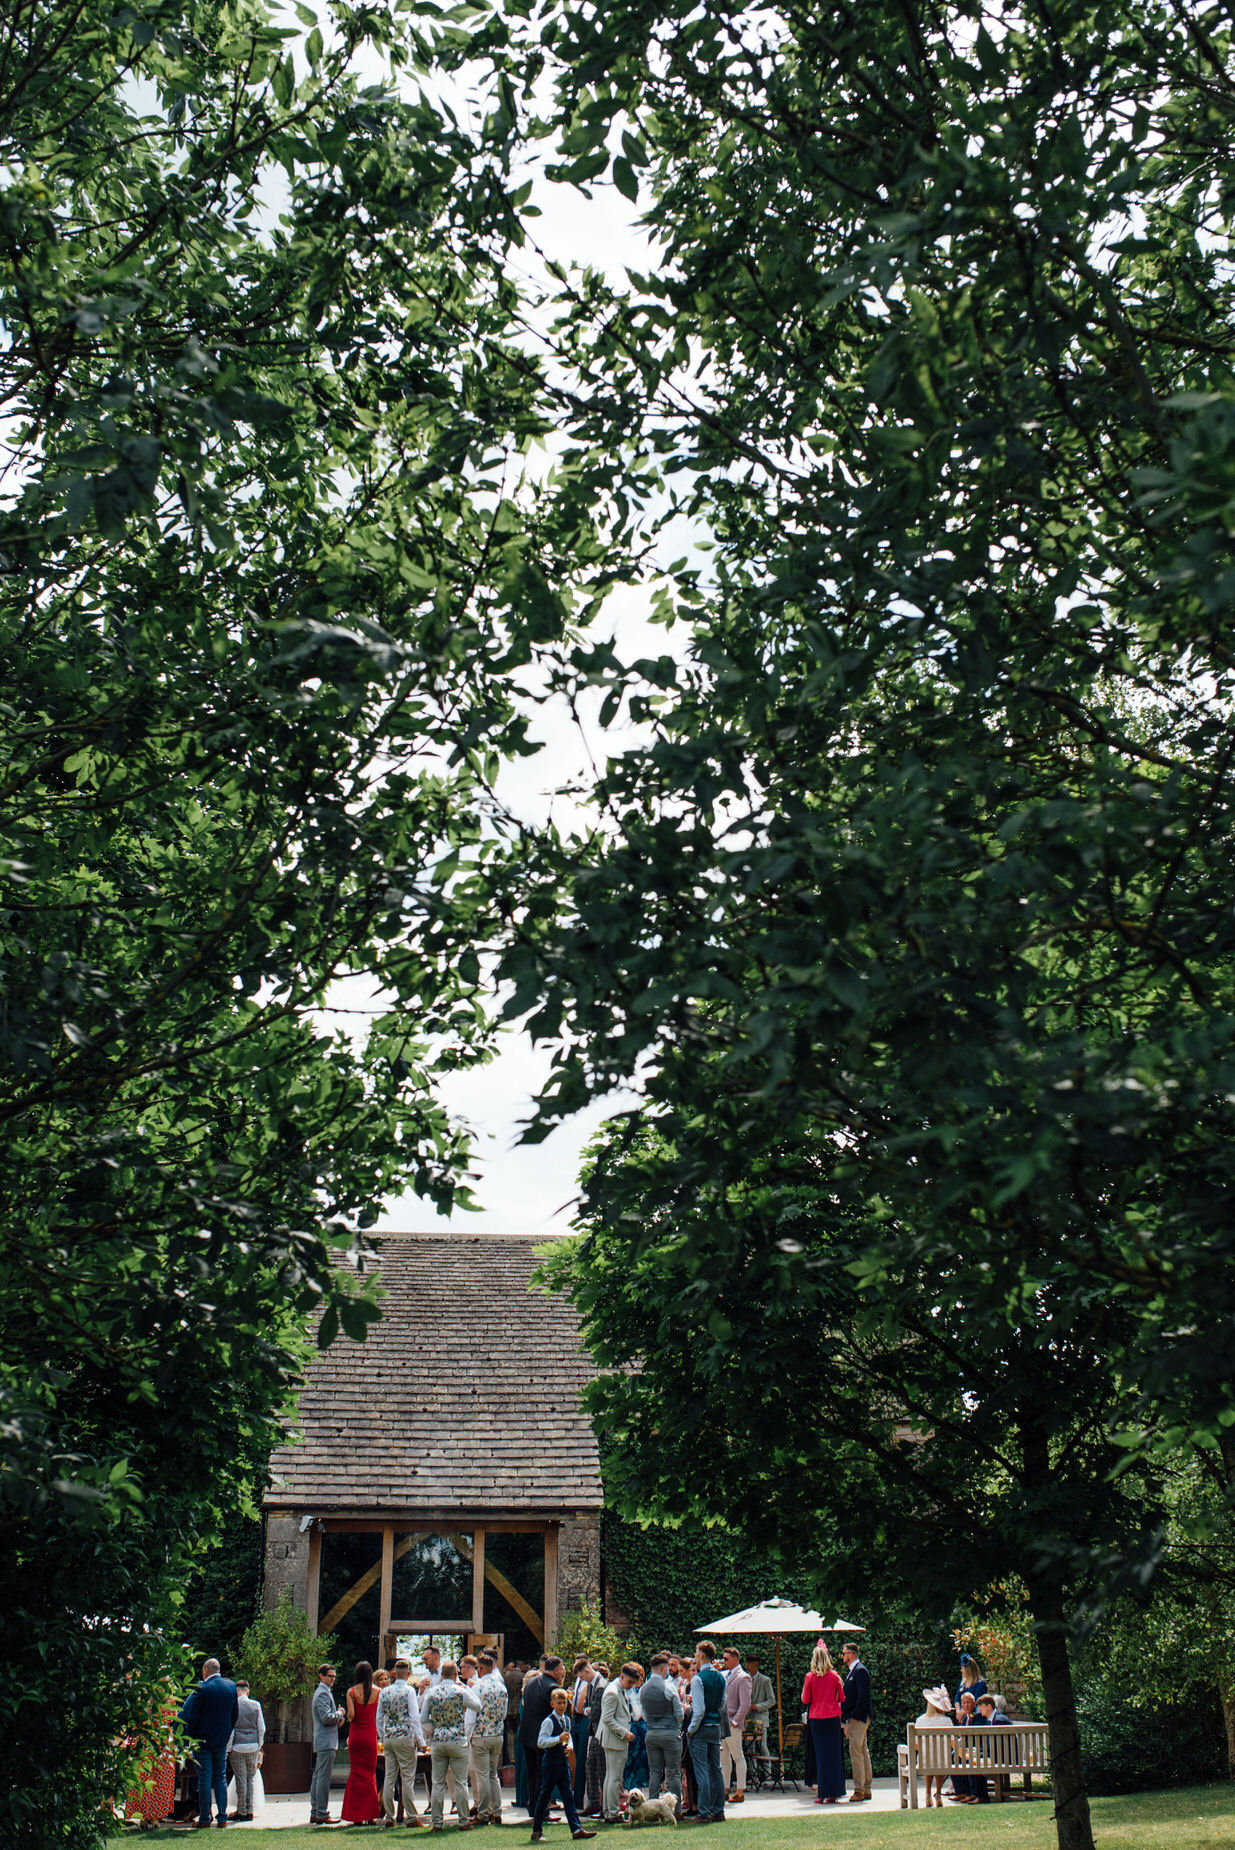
(737,1702)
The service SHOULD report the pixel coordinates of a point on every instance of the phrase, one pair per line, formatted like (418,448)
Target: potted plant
(279,1655)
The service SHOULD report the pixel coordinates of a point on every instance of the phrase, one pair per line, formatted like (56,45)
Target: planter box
(287,1766)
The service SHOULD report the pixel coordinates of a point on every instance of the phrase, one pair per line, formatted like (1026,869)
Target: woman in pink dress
(361,1804)
(822,1694)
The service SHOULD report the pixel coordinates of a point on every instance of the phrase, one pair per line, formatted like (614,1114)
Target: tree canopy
(922,881)
(269,567)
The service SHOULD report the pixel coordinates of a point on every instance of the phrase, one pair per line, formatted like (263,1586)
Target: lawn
(1192,1818)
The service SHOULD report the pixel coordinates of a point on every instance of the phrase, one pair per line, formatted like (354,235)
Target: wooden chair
(775,1766)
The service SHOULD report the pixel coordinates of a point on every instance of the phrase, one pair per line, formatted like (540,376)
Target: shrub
(585,1630)
(279,1654)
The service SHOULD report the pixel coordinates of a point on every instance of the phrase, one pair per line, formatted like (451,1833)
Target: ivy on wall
(665,1582)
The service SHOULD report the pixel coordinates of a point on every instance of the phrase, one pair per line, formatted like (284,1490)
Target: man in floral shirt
(399,1731)
(487,1737)
(443,1716)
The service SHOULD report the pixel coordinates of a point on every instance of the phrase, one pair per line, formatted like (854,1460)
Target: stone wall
(578,1563)
(287,1562)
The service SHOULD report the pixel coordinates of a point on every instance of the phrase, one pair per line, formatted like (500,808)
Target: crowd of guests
(582,1741)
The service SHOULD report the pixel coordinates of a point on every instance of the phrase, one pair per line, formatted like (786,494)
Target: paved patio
(293,1809)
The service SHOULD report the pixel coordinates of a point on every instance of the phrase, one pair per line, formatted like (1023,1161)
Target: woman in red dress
(153,1796)
(361,1804)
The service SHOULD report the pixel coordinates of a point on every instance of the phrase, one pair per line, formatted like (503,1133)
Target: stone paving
(293,1809)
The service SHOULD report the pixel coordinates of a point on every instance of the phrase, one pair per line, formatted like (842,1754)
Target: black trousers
(533,1756)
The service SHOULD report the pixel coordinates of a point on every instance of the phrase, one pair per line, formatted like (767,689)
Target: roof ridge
(449,1233)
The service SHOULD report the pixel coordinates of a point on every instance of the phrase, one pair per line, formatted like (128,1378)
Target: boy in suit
(553,1741)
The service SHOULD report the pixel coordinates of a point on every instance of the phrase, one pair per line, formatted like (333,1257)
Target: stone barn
(445,1483)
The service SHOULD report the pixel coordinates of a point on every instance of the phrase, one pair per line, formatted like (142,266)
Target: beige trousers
(400,1758)
(449,1757)
(859,1759)
(486,1772)
(733,1760)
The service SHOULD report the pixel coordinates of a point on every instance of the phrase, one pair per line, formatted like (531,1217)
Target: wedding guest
(616,1734)
(209,1715)
(855,1720)
(823,1695)
(762,1702)
(442,1718)
(485,1746)
(737,1702)
(361,1804)
(245,1751)
(153,1797)
(398,1724)
(583,1695)
(664,1715)
(705,1729)
(553,1741)
(326,1718)
(595,1752)
(636,1772)
(937,1714)
(972,1682)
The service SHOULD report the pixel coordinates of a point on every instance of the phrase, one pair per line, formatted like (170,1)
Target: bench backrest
(1019,1747)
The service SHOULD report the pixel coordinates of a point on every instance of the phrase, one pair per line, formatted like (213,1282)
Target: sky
(528,1189)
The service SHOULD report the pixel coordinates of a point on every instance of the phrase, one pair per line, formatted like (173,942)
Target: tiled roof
(464,1398)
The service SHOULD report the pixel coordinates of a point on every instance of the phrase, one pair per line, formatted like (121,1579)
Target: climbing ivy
(666,1582)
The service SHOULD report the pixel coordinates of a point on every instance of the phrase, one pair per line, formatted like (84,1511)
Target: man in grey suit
(615,1733)
(326,1718)
(664,1715)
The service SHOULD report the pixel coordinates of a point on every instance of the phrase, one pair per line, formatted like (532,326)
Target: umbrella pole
(780,1726)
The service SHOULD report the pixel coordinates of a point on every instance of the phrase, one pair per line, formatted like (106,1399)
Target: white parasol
(777,1619)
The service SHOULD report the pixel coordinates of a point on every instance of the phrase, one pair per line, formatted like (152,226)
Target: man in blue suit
(855,1719)
(209,1715)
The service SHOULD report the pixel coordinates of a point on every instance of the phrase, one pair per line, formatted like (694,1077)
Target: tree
(924,878)
(268,571)
(895,1437)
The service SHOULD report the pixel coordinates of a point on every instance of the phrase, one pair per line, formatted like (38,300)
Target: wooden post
(388,1565)
(911,1737)
(315,1577)
(551,1586)
(478,1581)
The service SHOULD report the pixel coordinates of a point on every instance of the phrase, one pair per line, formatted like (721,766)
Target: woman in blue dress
(972,1682)
(636,1771)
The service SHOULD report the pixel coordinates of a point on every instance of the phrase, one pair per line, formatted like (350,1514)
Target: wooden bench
(998,1753)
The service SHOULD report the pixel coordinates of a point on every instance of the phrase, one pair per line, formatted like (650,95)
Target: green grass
(1192,1818)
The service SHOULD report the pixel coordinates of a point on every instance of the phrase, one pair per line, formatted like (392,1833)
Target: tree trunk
(1075,1832)
(1226,1689)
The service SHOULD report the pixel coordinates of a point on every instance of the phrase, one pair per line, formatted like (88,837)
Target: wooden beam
(458,1628)
(426,1522)
(343,1606)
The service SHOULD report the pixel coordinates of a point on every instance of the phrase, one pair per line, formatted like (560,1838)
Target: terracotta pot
(287,1766)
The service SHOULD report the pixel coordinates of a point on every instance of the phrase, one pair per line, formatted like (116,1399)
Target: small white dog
(643,1810)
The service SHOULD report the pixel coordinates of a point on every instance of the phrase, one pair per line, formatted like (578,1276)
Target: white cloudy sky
(527,1189)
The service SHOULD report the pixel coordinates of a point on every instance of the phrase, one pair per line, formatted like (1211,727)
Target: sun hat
(938,1697)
